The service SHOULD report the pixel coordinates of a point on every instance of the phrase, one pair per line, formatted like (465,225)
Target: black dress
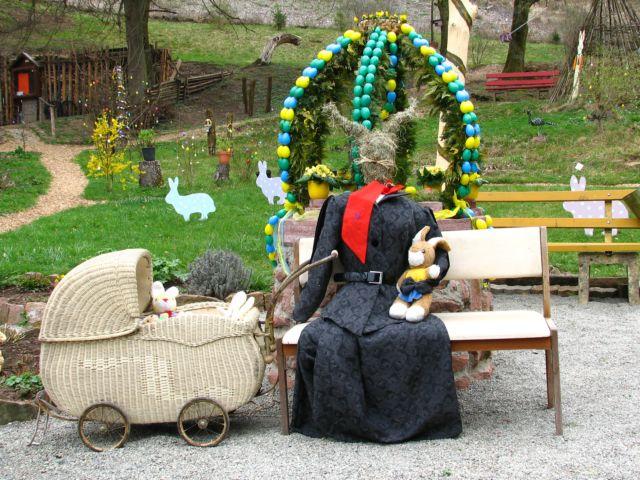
(362,375)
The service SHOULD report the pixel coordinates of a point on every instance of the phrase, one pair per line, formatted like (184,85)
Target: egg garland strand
(467,162)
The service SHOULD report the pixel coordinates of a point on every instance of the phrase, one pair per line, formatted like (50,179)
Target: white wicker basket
(95,348)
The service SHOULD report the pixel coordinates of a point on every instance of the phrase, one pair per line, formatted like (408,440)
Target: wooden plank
(554,196)
(502,344)
(519,83)
(548,73)
(594,247)
(633,202)
(608,214)
(566,222)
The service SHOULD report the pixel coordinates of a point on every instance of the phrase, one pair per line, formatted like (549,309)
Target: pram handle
(270,340)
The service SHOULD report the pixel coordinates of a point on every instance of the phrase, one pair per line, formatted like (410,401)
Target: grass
(26,177)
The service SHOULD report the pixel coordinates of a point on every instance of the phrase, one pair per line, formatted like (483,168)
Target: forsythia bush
(109,159)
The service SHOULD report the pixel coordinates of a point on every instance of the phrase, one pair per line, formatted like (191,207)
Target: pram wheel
(203,423)
(103,427)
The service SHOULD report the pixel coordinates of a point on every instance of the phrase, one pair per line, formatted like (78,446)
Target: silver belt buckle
(374,277)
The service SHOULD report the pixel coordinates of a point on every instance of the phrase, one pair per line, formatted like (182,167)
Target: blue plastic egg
(391,97)
(474,167)
(477,129)
(470,130)
(334,48)
(274,220)
(466,167)
(393,60)
(310,72)
(447,66)
(284,138)
(284,176)
(462,96)
(290,102)
(440,69)
(270,249)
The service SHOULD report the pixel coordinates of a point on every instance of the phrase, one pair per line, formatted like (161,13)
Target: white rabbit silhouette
(271,186)
(188,204)
(591,209)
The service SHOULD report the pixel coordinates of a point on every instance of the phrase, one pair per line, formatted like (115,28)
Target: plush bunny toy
(411,304)
(164,302)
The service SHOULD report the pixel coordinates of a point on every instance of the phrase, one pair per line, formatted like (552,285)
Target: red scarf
(357,216)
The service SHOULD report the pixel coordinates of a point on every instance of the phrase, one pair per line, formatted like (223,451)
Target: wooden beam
(555,196)
(566,222)
(633,202)
(594,247)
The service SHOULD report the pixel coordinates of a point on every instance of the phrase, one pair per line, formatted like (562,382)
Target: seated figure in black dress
(362,375)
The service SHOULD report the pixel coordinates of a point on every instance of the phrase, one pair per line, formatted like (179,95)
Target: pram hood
(101,298)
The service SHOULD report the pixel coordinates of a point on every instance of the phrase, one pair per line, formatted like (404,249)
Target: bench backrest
(480,254)
(524,75)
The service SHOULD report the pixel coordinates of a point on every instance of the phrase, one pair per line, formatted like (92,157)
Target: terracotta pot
(318,190)
(224,156)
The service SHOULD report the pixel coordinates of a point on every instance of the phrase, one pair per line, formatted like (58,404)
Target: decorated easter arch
(380,50)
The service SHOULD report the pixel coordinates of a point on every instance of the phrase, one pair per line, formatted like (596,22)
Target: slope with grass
(23,178)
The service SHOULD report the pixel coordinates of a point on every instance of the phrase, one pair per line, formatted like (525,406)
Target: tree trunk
(518,44)
(136,14)
(443,8)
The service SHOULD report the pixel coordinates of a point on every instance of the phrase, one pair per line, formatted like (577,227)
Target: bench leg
(549,369)
(583,278)
(282,385)
(633,274)
(555,360)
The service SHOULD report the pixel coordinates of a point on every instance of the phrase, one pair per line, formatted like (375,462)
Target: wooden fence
(77,82)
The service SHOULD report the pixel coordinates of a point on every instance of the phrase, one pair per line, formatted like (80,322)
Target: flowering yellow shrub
(109,158)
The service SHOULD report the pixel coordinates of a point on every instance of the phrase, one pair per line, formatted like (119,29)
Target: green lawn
(23,179)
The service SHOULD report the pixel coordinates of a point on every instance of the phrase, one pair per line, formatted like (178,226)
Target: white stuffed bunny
(164,301)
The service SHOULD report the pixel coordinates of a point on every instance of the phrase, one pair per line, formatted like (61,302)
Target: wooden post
(244,95)
(608,214)
(52,117)
(267,108)
(461,15)
(211,132)
(252,97)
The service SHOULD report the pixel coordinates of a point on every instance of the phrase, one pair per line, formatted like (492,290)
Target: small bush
(26,383)
(168,270)
(218,273)
(279,18)
(556,38)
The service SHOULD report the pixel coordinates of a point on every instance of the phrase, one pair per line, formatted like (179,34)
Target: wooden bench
(475,255)
(608,251)
(504,82)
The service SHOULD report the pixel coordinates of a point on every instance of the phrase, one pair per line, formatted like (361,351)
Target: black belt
(373,277)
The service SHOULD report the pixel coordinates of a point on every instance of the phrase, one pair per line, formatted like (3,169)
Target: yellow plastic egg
(449,76)
(302,82)
(427,51)
(356,36)
(348,34)
(392,37)
(488,220)
(288,206)
(287,114)
(410,190)
(325,55)
(391,85)
(473,177)
(464,179)
(466,107)
(470,143)
(477,141)
(384,114)
(268,229)
(285,187)
(283,151)
(272,256)
(481,224)
(406,28)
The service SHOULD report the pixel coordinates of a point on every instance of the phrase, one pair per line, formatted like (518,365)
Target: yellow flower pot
(318,190)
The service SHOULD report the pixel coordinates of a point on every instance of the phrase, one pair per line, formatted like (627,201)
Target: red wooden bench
(503,82)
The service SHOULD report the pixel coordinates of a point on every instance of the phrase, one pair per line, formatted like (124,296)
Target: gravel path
(508,433)
(67,183)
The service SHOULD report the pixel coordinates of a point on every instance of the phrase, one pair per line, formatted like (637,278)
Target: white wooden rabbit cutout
(591,209)
(188,204)
(271,186)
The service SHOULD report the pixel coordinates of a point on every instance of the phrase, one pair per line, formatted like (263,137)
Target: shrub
(147,138)
(279,18)
(218,273)
(555,37)
(168,270)
(26,383)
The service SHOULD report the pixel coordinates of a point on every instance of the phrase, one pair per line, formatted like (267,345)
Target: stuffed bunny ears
(435,242)
(157,290)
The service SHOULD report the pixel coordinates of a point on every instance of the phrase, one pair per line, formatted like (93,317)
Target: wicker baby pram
(104,365)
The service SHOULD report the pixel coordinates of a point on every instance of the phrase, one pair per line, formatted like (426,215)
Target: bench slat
(566,222)
(519,87)
(549,73)
(594,247)
(554,196)
(520,83)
